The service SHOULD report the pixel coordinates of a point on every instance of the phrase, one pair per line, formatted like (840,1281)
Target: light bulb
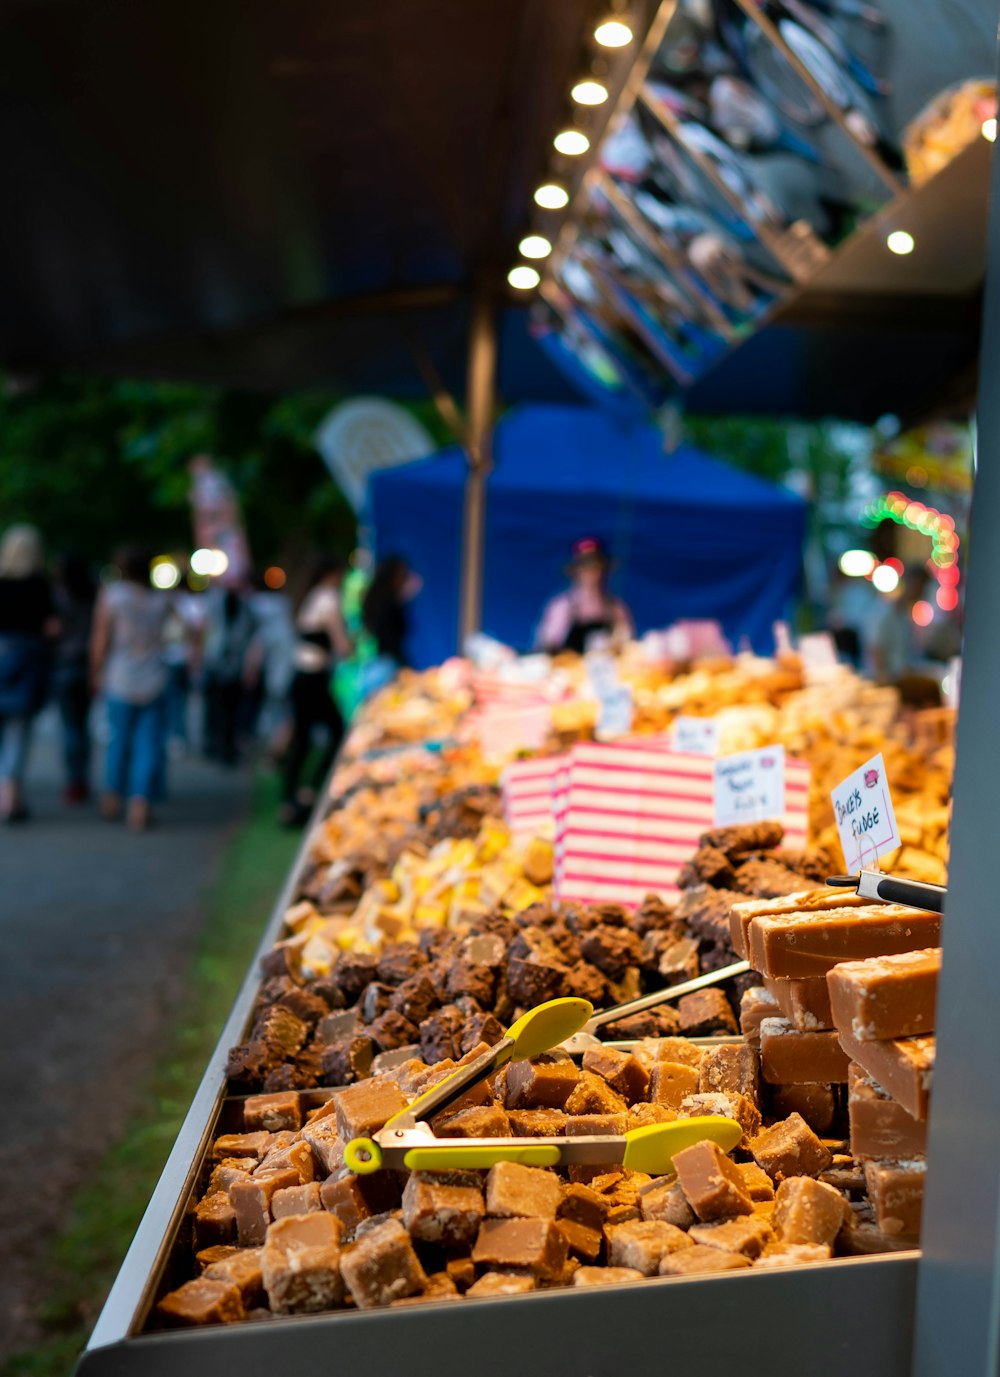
(988,129)
(612,33)
(523,278)
(589,93)
(571,142)
(857,564)
(535,246)
(551,196)
(885,579)
(900,241)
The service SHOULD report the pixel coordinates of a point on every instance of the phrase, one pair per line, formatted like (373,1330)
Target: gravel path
(96,929)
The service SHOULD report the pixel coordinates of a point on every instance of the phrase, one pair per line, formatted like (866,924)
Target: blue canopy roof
(692,537)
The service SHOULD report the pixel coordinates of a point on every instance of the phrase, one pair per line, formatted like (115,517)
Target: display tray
(807,1318)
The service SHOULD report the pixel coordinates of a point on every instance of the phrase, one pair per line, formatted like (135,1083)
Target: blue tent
(692,537)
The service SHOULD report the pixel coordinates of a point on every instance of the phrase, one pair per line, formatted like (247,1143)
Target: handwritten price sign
(750,787)
(865,819)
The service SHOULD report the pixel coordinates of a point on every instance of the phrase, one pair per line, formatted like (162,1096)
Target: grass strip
(105,1212)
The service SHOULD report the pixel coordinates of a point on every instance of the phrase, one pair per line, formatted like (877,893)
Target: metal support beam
(958,1299)
(480,400)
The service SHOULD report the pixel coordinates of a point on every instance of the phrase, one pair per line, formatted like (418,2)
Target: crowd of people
(127,655)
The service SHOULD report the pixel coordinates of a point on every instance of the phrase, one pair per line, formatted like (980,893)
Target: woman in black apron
(571,620)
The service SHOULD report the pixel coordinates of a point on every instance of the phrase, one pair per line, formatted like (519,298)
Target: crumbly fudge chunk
(583,1243)
(622,1070)
(363,1109)
(202,1301)
(273,1112)
(479,1121)
(535,1246)
(806,1211)
(730,1069)
(251,1202)
(712,1184)
(243,1269)
(300,1263)
(749,1235)
(501,1284)
(758,1183)
(437,1211)
(583,1205)
(896,1190)
(790,1148)
(643,1243)
(542,1084)
(592,1095)
(513,1189)
(605,1276)
(214,1220)
(794,1254)
(671,1082)
(381,1266)
(353,1199)
(664,1199)
(537,1123)
(699,1258)
(595,1125)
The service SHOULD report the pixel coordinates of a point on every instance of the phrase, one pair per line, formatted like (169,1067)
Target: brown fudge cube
(582,1242)
(711,1183)
(790,1149)
(903,1067)
(799,945)
(273,1112)
(737,1107)
(435,1211)
(241,1145)
(537,1123)
(643,1243)
(478,1122)
(501,1284)
(526,1245)
(805,1003)
(652,1023)
(748,1235)
(214,1220)
(381,1266)
(896,1190)
(790,1057)
(251,1202)
(664,1199)
(794,1254)
(592,1095)
(218,1252)
(296,1200)
(202,1301)
(807,1211)
(364,1108)
(228,1171)
(699,1258)
(596,1125)
(439,1287)
(582,1205)
(391,1030)
(680,1051)
(670,1082)
(815,1103)
(462,1271)
(353,1199)
(730,1069)
(886,996)
(705,1012)
(756,1004)
(326,1143)
(879,1126)
(243,1269)
(301,1264)
(513,1190)
(759,1185)
(540,1084)
(641,1115)
(296,1156)
(605,1276)
(622,1070)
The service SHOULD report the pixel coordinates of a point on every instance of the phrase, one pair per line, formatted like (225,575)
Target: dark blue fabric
(692,537)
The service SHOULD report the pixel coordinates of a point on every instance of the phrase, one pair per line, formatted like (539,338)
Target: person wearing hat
(586,609)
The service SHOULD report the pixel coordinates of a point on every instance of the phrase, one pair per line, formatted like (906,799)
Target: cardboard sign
(750,786)
(696,735)
(865,818)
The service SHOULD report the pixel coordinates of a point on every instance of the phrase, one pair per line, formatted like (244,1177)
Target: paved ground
(96,927)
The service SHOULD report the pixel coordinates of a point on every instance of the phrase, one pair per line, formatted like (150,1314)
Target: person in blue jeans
(127,661)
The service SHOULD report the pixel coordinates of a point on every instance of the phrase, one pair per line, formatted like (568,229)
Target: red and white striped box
(628,817)
(526,786)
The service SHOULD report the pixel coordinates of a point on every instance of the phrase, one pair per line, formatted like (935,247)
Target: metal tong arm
(891,889)
(651,1001)
(443,1095)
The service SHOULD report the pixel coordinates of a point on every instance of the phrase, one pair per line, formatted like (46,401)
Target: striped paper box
(629,818)
(526,787)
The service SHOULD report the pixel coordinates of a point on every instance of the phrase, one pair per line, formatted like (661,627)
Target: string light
(900,242)
(551,196)
(923,613)
(523,278)
(857,564)
(572,142)
(939,528)
(589,92)
(988,129)
(534,246)
(612,33)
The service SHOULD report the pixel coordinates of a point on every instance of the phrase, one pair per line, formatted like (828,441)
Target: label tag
(819,656)
(695,735)
(616,712)
(750,787)
(865,819)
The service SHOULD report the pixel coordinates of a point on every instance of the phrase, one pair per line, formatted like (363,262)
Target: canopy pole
(480,397)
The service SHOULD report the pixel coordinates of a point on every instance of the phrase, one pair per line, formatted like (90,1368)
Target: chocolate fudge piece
(807,1211)
(416,998)
(592,1095)
(643,1244)
(886,996)
(391,1031)
(612,950)
(584,981)
(513,1190)
(542,1083)
(338,1027)
(676,959)
(744,837)
(441,1034)
(664,1199)
(903,1067)
(436,1210)
(790,1149)
(536,969)
(351,974)
(355,1199)
(535,1246)
(622,1071)
(879,1126)
(347,1061)
(214,1220)
(296,1200)
(375,1000)
(805,1003)
(202,1301)
(605,1276)
(400,962)
(280,1028)
(363,1109)
(749,1235)
(501,1284)
(660,1022)
(468,978)
(796,945)
(790,1057)
(242,1269)
(896,1190)
(732,1067)
(301,1264)
(273,1112)
(767,878)
(381,1266)
(537,1123)
(699,1258)
(705,1012)
(481,1028)
(815,1103)
(711,1183)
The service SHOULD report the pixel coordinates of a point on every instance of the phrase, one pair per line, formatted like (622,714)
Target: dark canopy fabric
(693,537)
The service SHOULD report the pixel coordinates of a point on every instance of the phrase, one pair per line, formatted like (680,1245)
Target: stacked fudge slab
(883,1009)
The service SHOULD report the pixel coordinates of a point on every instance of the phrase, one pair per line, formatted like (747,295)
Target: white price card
(750,787)
(696,735)
(865,819)
(616,714)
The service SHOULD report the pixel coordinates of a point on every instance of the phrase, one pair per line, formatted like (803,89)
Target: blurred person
(75,593)
(384,617)
(27,624)
(321,640)
(229,630)
(587,608)
(893,645)
(271,656)
(126,661)
(182,639)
